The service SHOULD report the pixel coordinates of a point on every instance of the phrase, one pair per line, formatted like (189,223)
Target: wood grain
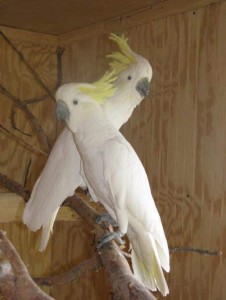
(65,15)
(14,158)
(12,207)
(155,11)
(18,80)
(179,132)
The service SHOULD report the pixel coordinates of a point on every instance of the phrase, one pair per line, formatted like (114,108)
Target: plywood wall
(72,241)
(40,52)
(178,132)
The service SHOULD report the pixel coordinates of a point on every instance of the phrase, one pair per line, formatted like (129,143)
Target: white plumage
(62,173)
(117,178)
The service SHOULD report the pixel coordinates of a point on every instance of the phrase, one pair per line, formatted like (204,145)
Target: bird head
(76,100)
(134,72)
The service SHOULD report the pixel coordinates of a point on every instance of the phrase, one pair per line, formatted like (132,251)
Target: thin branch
(195,250)
(14,186)
(15,281)
(27,173)
(59,52)
(21,141)
(33,72)
(13,123)
(37,127)
(92,264)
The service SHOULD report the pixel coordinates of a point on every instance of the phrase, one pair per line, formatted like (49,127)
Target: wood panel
(71,245)
(12,207)
(179,132)
(40,51)
(156,11)
(16,77)
(57,17)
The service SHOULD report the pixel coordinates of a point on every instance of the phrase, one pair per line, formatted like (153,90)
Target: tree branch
(33,72)
(15,281)
(92,264)
(21,141)
(13,123)
(14,186)
(124,285)
(59,52)
(196,250)
(37,127)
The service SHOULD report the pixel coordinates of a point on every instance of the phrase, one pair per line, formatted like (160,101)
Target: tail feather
(27,215)
(147,259)
(46,231)
(164,259)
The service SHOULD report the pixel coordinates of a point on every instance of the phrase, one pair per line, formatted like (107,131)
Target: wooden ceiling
(61,16)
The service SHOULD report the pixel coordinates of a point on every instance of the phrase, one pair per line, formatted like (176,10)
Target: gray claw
(109,237)
(106,217)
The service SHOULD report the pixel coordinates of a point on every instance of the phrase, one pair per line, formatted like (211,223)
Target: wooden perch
(15,281)
(124,285)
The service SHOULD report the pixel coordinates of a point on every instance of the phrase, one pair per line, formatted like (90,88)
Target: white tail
(148,259)
(46,231)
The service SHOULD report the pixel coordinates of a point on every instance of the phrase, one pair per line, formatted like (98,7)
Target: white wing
(136,212)
(58,180)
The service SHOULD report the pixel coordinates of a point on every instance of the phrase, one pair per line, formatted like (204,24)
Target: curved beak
(143,87)
(62,111)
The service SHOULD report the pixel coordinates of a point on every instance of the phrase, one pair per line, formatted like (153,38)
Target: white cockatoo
(116,177)
(62,172)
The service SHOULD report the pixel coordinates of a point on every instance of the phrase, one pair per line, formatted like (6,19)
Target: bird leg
(106,218)
(109,237)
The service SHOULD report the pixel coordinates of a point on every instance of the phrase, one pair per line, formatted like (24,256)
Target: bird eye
(129,77)
(75,102)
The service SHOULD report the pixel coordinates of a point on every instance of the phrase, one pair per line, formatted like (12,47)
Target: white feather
(118,179)
(58,180)
(62,172)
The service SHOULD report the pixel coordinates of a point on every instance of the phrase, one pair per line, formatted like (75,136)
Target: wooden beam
(154,12)
(12,207)
(26,35)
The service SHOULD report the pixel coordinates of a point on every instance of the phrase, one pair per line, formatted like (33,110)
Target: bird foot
(106,218)
(109,237)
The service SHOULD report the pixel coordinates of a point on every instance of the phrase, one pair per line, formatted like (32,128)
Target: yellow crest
(121,60)
(101,89)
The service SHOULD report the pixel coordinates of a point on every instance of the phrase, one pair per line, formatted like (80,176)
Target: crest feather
(101,89)
(121,60)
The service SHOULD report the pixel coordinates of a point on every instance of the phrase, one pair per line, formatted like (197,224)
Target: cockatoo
(115,175)
(61,175)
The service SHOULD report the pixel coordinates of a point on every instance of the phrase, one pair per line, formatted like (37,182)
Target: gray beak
(143,87)
(62,111)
